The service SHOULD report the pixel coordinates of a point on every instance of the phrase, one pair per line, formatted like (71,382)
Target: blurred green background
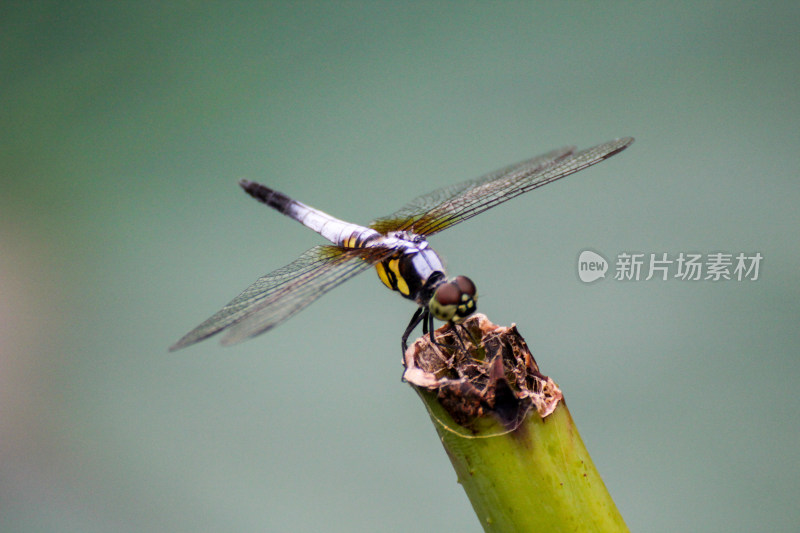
(126,125)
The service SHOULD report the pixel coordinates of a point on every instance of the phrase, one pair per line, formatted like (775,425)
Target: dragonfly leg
(454,327)
(419,316)
(443,344)
(427,327)
(423,314)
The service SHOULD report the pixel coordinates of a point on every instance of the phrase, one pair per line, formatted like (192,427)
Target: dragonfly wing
(452,205)
(405,218)
(283,293)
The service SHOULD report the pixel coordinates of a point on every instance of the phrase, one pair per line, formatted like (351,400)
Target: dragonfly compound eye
(454,300)
(466,286)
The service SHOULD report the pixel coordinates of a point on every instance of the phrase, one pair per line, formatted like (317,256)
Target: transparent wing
(448,206)
(283,293)
(413,211)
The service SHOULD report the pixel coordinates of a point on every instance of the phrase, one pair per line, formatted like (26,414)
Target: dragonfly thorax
(414,269)
(417,272)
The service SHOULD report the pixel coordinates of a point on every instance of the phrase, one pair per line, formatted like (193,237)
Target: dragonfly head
(454,300)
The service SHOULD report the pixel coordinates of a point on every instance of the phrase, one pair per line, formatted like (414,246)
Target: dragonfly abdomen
(337,231)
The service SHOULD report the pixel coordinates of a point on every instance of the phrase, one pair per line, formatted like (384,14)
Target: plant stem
(510,436)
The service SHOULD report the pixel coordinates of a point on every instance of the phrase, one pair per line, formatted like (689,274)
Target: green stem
(519,457)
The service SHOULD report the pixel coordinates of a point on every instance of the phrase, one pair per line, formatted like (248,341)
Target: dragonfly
(395,245)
